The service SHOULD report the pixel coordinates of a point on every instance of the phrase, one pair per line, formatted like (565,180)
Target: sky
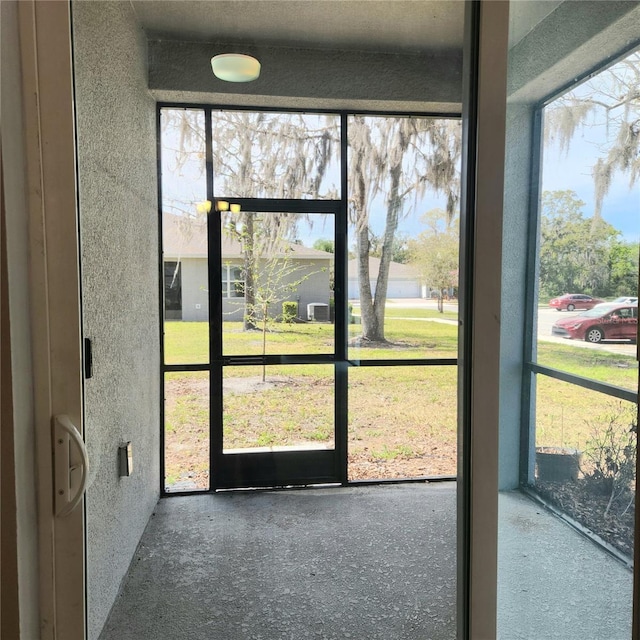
(568,169)
(572,170)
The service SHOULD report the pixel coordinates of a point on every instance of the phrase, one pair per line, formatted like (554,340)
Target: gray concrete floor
(366,563)
(555,583)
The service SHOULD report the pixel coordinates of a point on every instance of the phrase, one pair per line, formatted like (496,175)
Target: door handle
(71,465)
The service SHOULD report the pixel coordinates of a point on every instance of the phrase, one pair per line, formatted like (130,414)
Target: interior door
(276,363)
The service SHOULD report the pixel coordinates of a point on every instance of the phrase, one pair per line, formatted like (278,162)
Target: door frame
(484,126)
(271,468)
(49,128)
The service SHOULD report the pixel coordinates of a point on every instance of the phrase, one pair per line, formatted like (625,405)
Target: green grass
(186,342)
(566,415)
(416,313)
(612,368)
(395,413)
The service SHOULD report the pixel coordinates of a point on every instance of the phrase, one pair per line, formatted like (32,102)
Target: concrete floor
(366,563)
(555,583)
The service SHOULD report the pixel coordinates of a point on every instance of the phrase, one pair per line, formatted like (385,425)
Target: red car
(571,301)
(606,322)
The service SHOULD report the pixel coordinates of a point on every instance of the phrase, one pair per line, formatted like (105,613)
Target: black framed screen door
(276,323)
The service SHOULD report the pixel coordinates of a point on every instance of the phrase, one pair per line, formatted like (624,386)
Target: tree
(399,247)
(612,98)
(575,252)
(623,268)
(275,278)
(322,244)
(257,154)
(435,252)
(398,158)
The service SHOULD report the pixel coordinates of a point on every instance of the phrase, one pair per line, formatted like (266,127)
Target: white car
(621,300)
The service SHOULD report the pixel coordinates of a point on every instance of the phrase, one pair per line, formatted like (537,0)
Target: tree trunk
(249,320)
(373,310)
(368,316)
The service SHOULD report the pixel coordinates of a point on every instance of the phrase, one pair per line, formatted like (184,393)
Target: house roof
(397,271)
(187,238)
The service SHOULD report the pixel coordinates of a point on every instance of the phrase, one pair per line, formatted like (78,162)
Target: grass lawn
(402,420)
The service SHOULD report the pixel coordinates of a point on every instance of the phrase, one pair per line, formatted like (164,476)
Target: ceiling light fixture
(235,67)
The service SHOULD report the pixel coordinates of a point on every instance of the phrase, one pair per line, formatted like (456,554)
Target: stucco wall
(119,243)
(518,165)
(181,71)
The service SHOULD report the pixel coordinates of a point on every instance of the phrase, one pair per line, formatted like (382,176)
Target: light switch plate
(125,460)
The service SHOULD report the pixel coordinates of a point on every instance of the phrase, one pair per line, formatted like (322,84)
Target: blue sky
(572,170)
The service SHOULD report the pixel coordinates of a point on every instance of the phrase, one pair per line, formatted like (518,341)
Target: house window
(172,289)
(232,282)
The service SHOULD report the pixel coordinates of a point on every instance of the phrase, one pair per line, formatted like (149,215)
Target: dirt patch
(579,501)
(391,435)
(441,461)
(254,384)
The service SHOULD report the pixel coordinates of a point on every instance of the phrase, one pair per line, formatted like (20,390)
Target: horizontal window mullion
(168,368)
(587,383)
(279,205)
(235,361)
(428,362)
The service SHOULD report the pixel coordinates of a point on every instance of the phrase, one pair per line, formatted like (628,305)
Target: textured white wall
(119,239)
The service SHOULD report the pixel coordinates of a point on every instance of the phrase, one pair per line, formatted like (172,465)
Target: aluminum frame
(225,463)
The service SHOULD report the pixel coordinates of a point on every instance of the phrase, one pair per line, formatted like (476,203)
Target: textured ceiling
(401,26)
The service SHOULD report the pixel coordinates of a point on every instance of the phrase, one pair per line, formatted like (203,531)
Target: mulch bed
(579,501)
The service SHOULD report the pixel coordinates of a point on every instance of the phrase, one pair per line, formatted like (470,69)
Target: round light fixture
(235,67)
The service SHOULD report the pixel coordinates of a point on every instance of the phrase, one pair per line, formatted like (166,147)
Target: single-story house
(186,283)
(404,280)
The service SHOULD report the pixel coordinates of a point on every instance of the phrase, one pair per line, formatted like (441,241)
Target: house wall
(315,288)
(195,289)
(398,288)
(119,245)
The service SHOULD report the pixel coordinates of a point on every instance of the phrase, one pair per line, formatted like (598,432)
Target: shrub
(289,311)
(611,452)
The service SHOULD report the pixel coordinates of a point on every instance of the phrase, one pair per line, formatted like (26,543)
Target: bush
(289,311)
(611,452)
